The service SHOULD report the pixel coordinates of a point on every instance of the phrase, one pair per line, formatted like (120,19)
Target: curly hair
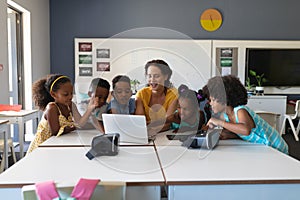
(227,90)
(98,82)
(41,89)
(164,67)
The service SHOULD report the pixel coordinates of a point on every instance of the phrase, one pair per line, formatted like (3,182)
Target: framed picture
(85,71)
(103,53)
(85,46)
(103,66)
(226,52)
(85,59)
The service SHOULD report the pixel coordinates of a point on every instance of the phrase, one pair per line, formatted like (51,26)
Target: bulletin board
(190,60)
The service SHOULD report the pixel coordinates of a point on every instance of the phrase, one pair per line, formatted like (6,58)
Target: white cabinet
(276,104)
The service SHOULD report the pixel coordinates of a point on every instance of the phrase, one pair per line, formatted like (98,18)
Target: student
(122,103)
(228,96)
(188,116)
(205,104)
(158,100)
(99,89)
(53,95)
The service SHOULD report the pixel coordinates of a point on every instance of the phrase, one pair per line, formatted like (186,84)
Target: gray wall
(245,20)
(3,53)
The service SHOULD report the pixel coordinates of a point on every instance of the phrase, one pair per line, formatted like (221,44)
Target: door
(15,56)
(15,60)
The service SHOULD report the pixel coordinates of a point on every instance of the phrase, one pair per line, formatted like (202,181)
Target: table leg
(21,137)
(4,162)
(5,150)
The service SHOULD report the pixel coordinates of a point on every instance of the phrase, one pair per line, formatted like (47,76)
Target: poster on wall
(85,47)
(103,53)
(103,66)
(85,59)
(85,71)
(226,57)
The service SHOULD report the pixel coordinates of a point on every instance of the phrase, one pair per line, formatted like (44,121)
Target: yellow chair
(290,118)
(104,190)
(11,148)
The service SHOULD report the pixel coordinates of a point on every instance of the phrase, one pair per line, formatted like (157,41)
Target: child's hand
(213,122)
(175,130)
(93,103)
(204,127)
(226,134)
(69,129)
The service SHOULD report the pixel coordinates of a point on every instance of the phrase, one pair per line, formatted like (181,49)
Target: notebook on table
(132,128)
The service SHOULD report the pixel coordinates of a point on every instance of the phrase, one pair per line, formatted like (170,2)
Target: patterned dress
(44,132)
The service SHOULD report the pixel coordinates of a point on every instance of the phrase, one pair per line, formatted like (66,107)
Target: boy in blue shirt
(122,103)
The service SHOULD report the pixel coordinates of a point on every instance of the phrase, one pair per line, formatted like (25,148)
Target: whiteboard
(190,60)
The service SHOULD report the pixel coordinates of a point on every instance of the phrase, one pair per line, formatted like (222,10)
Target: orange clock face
(211,19)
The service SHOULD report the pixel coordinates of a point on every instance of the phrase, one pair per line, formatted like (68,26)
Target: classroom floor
(294,146)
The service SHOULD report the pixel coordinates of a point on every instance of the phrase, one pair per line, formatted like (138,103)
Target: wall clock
(211,19)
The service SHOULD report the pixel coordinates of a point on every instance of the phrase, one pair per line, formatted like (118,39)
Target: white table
(230,172)
(137,166)
(20,118)
(162,140)
(79,138)
(4,131)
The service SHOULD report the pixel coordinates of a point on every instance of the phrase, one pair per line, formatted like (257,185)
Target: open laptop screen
(132,128)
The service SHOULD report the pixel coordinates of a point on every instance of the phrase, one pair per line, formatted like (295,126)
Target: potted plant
(260,79)
(249,87)
(134,84)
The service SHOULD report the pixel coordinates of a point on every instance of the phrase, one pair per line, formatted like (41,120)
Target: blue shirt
(121,109)
(99,111)
(262,133)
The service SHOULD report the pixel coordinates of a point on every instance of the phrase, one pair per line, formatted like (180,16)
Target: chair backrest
(297,108)
(270,117)
(104,190)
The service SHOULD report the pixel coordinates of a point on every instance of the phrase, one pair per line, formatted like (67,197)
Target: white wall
(40,36)
(40,41)
(190,60)
(3,53)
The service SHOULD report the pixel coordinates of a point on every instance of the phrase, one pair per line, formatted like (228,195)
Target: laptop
(132,128)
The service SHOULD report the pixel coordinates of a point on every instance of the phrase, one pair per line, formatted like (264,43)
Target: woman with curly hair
(228,96)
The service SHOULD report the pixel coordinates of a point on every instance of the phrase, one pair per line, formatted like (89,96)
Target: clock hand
(211,21)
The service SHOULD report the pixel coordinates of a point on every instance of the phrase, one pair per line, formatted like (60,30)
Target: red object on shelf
(7,107)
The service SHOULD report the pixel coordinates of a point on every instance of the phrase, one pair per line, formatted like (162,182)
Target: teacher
(159,99)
